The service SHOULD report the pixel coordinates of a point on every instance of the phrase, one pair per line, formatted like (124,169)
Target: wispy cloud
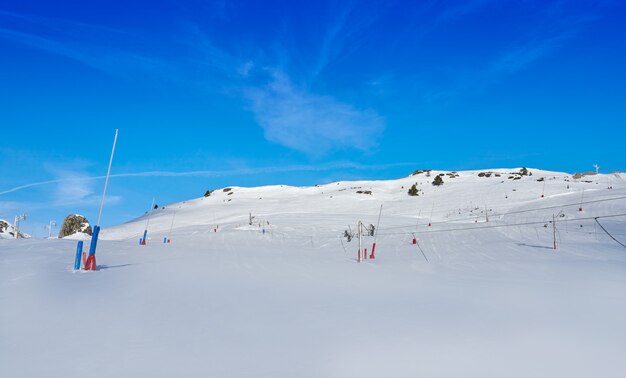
(76,183)
(69,191)
(293,115)
(73,187)
(521,56)
(559,22)
(107,49)
(77,190)
(343,33)
(538,33)
(461,9)
(311,123)
(204,55)
(290,115)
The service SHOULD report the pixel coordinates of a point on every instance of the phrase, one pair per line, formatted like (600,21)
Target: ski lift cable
(421,250)
(604,229)
(378,223)
(515,212)
(501,225)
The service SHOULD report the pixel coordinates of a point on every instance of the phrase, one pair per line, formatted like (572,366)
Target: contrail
(41,183)
(215,173)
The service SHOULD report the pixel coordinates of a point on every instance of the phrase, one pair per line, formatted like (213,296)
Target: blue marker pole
(145,234)
(94,240)
(79,252)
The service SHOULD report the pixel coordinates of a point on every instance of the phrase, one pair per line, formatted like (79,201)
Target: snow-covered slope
(481,294)
(7,231)
(466,198)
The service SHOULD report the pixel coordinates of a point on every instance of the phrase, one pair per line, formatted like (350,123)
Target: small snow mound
(78,236)
(247,228)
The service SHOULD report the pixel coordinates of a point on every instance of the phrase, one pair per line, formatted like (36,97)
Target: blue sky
(208,94)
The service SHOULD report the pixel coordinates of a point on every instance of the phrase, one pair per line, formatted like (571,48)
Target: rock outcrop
(73,224)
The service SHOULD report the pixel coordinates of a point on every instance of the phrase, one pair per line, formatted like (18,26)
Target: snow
(7,230)
(78,236)
(493,300)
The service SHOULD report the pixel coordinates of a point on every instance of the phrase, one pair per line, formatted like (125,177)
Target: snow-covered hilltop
(463,197)
(7,231)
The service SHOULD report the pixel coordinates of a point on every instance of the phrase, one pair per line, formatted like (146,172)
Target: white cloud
(311,123)
(74,188)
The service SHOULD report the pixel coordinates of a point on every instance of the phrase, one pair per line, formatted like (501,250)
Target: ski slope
(482,293)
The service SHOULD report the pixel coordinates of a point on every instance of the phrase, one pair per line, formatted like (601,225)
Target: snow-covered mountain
(466,197)
(7,231)
(263,282)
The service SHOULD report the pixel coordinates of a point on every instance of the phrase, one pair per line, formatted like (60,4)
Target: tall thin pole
(50,225)
(373,255)
(106,180)
(16,224)
(90,263)
(380,212)
(554,231)
(360,246)
(582,196)
(431,214)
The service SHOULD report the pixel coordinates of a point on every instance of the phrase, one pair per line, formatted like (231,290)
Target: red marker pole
(372,257)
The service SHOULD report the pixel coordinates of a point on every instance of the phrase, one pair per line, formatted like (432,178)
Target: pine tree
(438,181)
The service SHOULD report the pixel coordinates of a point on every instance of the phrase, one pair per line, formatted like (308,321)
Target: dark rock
(74,223)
